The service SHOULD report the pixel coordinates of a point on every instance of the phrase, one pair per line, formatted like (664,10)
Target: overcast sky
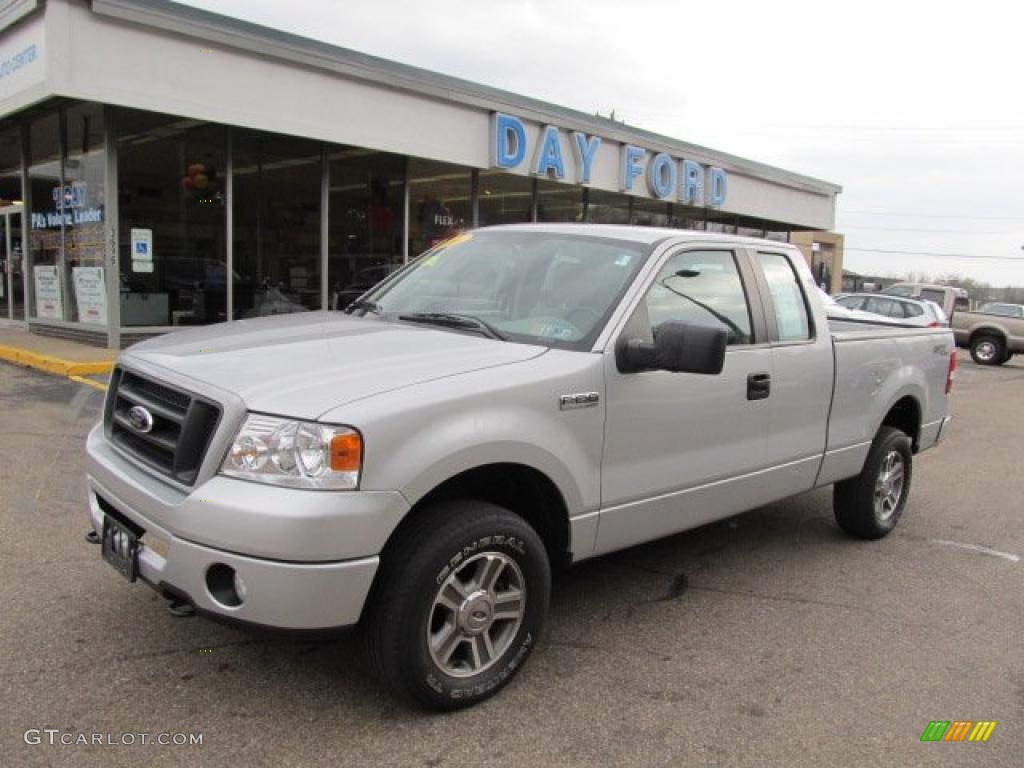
(915,109)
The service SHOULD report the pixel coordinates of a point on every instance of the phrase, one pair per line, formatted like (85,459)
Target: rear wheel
(869,505)
(459,604)
(988,350)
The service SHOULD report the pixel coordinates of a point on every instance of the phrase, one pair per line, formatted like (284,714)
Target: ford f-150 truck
(993,334)
(518,399)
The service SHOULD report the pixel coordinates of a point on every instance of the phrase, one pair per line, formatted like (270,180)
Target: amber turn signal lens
(346,452)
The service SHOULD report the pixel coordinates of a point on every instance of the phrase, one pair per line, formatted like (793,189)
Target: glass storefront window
(84,248)
(724,223)
(10,167)
(776,231)
(505,198)
(748,227)
(687,217)
(172,220)
(364,221)
(440,203)
(277,224)
(46,218)
(607,207)
(648,212)
(558,202)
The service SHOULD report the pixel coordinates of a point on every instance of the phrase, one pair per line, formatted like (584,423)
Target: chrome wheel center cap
(476,613)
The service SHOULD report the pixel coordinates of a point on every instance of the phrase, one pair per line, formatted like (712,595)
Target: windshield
(537,287)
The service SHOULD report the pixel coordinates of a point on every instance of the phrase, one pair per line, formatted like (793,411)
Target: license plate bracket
(120,548)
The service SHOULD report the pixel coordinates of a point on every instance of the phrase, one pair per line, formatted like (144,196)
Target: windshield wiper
(454,320)
(364,304)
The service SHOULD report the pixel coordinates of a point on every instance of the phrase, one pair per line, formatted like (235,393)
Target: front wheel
(869,505)
(459,604)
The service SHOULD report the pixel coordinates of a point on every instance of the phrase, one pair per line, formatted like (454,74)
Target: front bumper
(307,558)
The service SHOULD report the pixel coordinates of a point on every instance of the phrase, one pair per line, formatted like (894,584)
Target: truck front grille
(182,425)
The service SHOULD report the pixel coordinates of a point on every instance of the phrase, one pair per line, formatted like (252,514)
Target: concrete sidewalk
(79,362)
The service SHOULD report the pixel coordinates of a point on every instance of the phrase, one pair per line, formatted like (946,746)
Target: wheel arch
(987,330)
(519,487)
(905,415)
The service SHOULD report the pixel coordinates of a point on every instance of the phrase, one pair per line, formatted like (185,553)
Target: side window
(701,287)
(884,307)
(939,297)
(788,300)
(913,310)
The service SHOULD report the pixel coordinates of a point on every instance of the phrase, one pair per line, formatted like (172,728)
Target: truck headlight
(298,454)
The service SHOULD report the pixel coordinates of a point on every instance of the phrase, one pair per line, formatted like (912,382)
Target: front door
(12,284)
(684,449)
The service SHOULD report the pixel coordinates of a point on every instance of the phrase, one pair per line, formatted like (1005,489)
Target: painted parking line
(977,548)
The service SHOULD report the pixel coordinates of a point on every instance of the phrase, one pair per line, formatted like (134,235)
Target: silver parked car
(917,312)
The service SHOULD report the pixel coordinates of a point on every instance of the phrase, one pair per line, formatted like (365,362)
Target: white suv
(926,314)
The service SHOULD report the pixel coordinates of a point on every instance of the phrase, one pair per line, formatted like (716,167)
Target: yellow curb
(89,382)
(56,365)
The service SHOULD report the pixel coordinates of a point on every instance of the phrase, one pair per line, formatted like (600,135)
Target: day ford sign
(640,170)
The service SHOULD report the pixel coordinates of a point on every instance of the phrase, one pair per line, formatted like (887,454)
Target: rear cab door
(802,370)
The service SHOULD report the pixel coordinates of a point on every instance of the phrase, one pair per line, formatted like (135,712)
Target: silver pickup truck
(518,399)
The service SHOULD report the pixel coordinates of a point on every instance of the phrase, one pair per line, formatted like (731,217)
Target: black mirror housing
(678,348)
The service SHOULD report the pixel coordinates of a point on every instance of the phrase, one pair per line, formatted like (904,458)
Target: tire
(988,350)
(869,505)
(454,549)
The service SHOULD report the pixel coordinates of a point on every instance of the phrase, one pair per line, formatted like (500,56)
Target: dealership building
(162,166)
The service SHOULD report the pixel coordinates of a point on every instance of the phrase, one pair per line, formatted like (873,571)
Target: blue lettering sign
(585,149)
(718,184)
(629,166)
(549,154)
(661,176)
(692,192)
(21,59)
(509,141)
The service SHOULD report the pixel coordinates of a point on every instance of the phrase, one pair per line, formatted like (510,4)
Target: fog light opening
(225,585)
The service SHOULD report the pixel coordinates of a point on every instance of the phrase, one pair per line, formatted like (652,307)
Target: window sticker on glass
(623,260)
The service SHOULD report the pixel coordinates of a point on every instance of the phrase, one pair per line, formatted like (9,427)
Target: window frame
(769,303)
(623,320)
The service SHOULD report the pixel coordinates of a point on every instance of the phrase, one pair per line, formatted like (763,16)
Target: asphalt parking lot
(769,639)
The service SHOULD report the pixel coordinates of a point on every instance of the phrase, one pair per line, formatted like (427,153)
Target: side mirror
(678,347)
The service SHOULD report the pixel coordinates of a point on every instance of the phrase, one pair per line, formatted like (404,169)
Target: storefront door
(12,273)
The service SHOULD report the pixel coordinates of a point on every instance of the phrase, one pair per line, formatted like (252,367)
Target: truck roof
(638,234)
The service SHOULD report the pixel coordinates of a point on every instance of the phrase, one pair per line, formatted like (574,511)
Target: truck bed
(876,365)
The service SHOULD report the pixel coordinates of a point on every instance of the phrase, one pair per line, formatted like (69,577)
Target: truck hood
(304,364)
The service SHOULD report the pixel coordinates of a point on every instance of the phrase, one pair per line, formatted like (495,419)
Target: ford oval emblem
(140,419)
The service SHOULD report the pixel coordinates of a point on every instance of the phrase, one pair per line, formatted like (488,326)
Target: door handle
(759,386)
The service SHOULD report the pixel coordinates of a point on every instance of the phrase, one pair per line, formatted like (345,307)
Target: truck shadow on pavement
(592,604)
